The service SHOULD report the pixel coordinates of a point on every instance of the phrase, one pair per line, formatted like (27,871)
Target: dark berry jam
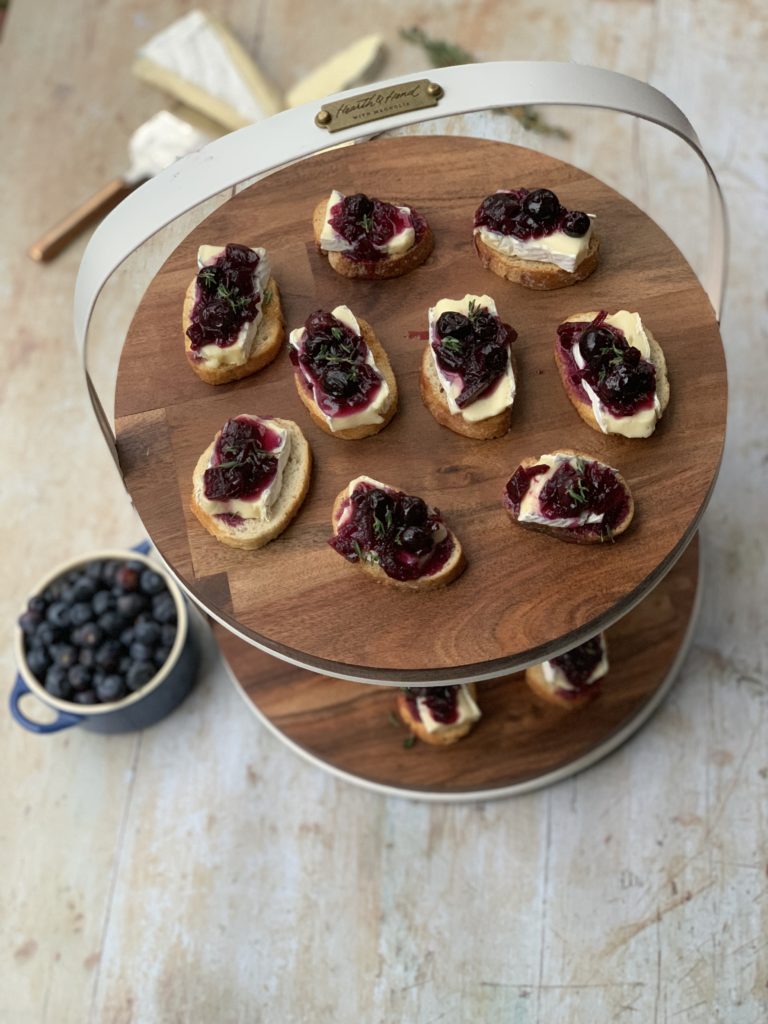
(578,664)
(442,701)
(226,297)
(242,466)
(624,382)
(576,489)
(397,531)
(474,348)
(332,361)
(369,224)
(529,214)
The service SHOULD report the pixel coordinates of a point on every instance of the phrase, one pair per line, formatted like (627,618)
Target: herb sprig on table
(444,54)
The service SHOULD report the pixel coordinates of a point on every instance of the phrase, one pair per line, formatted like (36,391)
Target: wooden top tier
(524,596)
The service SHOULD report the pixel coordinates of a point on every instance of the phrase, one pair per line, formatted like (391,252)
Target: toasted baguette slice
(535,274)
(381,359)
(534,677)
(255,533)
(452,569)
(578,535)
(269,338)
(578,397)
(441,738)
(392,266)
(433,395)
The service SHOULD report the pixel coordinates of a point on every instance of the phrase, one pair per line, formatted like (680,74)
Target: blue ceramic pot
(157,698)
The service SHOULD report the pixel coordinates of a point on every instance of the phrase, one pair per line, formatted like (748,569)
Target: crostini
(613,371)
(467,377)
(530,238)
(232,317)
(395,538)
(573,679)
(342,374)
(439,715)
(251,480)
(369,238)
(571,496)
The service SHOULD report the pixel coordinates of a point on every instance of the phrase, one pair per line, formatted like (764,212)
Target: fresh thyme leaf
(472,308)
(228,465)
(207,276)
(409,741)
(452,344)
(579,465)
(601,375)
(443,54)
(267,297)
(358,551)
(388,518)
(379,528)
(367,223)
(337,333)
(576,496)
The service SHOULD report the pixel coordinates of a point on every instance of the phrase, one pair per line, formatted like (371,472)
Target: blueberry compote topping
(369,224)
(442,701)
(332,359)
(474,347)
(578,488)
(529,214)
(242,465)
(397,531)
(226,298)
(578,664)
(615,370)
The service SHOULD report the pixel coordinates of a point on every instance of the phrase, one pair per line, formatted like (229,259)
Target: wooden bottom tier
(520,743)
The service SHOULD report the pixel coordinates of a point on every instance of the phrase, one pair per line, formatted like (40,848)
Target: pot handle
(63,720)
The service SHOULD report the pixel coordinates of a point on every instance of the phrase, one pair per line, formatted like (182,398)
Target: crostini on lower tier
(232,317)
(613,371)
(369,238)
(342,374)
(467,375)
(572,679)
(571,496)
(394,537)
(251,481)
(439,715)
(530,238)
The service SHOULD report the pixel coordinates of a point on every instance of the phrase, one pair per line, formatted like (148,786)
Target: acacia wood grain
(519,737)
(523,595)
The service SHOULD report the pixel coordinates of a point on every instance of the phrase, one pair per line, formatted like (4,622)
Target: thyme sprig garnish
(207,277)
(578,493)
(367,222)
(452,344)
(443,54)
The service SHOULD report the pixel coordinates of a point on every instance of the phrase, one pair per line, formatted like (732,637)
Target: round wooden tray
(524,596)
(520,743)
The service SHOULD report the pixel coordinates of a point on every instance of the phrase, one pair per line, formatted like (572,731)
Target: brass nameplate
(371,106)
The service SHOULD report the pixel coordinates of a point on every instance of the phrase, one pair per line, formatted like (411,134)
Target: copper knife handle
(53,241)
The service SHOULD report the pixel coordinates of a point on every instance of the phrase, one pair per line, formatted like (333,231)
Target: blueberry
(53,591)
(151,582)
(84,589)
(38,662)
(414,511)
(58,615)
(79,677)
(130,605)
(139,674)
(140,651)
(80,613)
(37,604)
(29,621)
(111,687)
(124,666)
(109,571)
(108,655)
(94,570)
(88,635)
(68,594)
(164,608)
(542,205)
(86,697)
(57,684)
(102,602)
(161,656)
(576,224)
(127,579)
(147,632)
(111,624)
(416,540)
(87,657)
(64,655)
(127,636)
(46,634)
(168,634)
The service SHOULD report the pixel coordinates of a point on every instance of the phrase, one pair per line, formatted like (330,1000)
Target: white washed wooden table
(201,871)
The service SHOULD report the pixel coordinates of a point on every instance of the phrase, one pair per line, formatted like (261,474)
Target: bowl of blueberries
(104,642)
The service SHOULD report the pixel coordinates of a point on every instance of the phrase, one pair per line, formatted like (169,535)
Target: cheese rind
(561,249)
(501,396)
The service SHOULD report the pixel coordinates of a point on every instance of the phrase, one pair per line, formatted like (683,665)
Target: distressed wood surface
(201,871)
(507,606)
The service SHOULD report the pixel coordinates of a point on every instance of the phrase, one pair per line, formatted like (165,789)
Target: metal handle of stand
(293,135)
